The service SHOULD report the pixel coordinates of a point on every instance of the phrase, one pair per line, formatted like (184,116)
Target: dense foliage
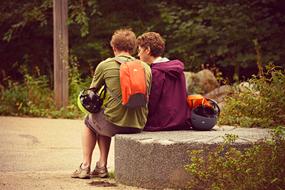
(223,33)
(197,32)
(35,98)
(259,103)
(232,36)
(259,167)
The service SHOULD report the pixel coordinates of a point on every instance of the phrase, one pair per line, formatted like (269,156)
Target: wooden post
(60,50)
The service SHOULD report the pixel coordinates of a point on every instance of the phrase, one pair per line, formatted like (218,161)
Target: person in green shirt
(114,118)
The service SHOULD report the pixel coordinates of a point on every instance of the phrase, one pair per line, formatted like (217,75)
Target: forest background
(201,33)
(228,37)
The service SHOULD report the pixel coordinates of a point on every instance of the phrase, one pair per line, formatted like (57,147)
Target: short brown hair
(152,40)
(124,40)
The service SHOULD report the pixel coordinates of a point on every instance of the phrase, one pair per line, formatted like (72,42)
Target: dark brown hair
(124,40)
(154,41)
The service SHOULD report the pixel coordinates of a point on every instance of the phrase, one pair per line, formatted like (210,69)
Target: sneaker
(101,172)
(81,173)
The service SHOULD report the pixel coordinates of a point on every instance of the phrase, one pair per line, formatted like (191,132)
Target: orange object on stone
(197,100)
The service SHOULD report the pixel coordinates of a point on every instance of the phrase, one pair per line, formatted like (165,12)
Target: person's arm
(158,79)
(98,78)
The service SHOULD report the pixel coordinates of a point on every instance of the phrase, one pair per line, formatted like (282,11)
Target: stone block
(156,160)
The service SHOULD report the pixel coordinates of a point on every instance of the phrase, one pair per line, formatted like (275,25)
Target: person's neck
(151,59)
(122,53)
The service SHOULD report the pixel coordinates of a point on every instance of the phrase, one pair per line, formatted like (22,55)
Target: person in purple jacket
(167,105)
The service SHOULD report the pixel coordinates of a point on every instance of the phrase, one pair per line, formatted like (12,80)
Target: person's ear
(147,50)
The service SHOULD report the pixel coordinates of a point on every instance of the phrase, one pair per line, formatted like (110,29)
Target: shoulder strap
(95,90)
(119,60)
(104,92)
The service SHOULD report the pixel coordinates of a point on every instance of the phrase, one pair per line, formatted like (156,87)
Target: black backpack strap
(95,90)
(119,60)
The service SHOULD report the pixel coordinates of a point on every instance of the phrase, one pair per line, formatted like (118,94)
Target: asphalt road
(40,153)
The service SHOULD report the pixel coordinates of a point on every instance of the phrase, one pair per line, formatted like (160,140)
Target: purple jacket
(167,105)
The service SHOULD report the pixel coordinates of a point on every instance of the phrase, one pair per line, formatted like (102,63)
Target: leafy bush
(259,167)
(14,99)
(31,98)
(35,98)
(260,104)
(76,83)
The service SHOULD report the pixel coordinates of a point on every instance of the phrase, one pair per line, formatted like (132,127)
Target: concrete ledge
(156,159)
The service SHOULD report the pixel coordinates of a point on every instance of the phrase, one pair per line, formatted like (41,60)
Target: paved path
(39,153)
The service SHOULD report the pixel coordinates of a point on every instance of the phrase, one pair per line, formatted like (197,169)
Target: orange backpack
(133,83)
(197,100)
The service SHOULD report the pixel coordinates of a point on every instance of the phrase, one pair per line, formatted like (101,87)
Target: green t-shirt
(108,71)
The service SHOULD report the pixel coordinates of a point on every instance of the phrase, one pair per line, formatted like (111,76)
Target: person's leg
(88,145)
(104,146)
(101,166)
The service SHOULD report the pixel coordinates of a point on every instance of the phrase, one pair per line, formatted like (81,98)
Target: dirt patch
(56,181)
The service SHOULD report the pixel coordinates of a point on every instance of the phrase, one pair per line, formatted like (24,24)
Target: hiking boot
(81,173)
(101,172)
